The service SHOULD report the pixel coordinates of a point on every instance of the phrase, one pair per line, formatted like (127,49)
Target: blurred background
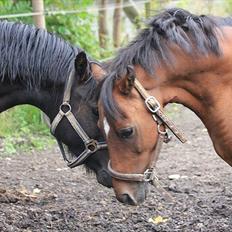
(99,27)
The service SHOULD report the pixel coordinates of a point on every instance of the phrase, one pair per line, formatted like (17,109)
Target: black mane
(32,56)
(194,34)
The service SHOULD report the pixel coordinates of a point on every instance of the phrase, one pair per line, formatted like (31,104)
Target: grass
(22,130)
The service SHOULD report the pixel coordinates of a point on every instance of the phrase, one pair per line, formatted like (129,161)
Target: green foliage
(78,28)
(214,7)
(16,7)
(228,6)
(22,128)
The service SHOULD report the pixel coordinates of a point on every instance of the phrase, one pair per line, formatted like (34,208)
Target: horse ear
(126,84)
(81,66)
(97,71)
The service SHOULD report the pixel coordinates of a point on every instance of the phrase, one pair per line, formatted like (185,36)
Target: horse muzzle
(131,193)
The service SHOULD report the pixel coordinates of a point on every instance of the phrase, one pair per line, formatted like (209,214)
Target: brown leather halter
(91,145)
(160,118)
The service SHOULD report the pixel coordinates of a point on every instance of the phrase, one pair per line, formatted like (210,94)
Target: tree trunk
(102,25)
(39,20)
(117,23)
(132,13)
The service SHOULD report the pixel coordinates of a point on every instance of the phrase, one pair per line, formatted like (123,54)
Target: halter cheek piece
(161,119)
(65,110)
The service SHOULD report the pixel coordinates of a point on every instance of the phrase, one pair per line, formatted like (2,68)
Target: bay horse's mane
(151,47)
(32,56)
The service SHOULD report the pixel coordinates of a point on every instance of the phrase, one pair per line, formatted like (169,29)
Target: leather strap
(68,87)
(77,127)
(148,175)
(91,145)
(154,107)
(71,118)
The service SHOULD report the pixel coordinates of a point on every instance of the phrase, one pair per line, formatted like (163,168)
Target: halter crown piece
(160,118)
(65,110)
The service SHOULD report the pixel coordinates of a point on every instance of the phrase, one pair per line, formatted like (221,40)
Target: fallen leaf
(36,191)
(157,220)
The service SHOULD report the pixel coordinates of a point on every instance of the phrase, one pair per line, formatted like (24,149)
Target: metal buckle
(152,104)
(91,145)
(148,175)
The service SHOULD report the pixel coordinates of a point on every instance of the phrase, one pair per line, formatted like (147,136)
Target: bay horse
(40,69)
(178,57)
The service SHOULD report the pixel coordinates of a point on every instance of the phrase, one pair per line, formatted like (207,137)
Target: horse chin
(97,164)
(104,178)
(102,175)
(130,193)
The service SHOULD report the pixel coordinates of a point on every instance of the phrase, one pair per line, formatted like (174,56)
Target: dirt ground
(38,192)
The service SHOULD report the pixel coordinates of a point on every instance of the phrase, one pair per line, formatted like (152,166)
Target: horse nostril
(127,199)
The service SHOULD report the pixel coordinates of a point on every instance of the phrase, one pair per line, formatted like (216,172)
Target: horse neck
(206,90)
(46,99)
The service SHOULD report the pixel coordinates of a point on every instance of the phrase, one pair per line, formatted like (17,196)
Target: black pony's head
(83,101)
(34,69)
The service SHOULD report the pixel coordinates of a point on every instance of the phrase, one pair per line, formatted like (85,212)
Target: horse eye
(126,133)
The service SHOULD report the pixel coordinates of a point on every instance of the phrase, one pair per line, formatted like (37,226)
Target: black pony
(34,68)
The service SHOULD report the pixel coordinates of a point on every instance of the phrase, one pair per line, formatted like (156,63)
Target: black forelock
(196,35)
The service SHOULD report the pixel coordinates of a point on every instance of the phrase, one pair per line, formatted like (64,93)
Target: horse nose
(130,193)
(126,198)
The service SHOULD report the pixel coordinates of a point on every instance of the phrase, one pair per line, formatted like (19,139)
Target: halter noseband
(65,110)
(160,118)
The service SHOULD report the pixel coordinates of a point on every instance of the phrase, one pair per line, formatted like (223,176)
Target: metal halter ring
(166,136)
(152,104)
(148,175)
(160,131)
(92,145)
(65,105)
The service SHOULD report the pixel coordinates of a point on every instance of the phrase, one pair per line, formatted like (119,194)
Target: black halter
(91,145)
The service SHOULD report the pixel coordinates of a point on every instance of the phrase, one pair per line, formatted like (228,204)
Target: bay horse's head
(76,123)
(134,125)
(131,135)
